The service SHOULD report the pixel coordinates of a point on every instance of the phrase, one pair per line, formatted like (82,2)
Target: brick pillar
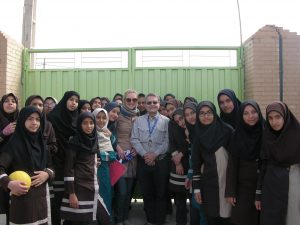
(262,68)
(10,66)
(3,57)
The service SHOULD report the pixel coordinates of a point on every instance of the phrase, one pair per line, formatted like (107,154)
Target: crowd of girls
(239,168)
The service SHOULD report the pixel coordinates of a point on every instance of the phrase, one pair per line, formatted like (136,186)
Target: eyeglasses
(131,100)
(49,104)
(208,113)
(152,102)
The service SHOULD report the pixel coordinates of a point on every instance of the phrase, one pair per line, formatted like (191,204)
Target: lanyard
(151,129)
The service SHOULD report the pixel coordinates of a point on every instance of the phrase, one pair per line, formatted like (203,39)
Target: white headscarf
(103,140)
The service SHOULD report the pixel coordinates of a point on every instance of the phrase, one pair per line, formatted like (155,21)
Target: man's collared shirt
(150,134)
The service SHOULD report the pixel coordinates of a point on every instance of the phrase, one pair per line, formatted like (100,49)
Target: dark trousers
(123,189)
(181,210)
(55,208)
(218,221)
(4,203)
(154,184)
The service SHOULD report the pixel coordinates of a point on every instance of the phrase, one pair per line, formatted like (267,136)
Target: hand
(9,129)
(198,197)
(177,158)
(121,153)
(258,205)
(179,169)
(187,183)
(150,158)
(73,201)
(106,132)
(17,187)
(39,179)
(133,152)
(98,162)
(231,200)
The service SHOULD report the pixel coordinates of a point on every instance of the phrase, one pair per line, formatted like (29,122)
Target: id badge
(150,143)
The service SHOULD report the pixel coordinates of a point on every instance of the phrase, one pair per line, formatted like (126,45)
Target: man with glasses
(150,138)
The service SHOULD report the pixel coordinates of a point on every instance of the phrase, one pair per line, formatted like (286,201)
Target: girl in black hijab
(82,202)
(280,174)
(84,106)
(113,109)
(104,101)
(95,103)
(47,130)
(46,127)
(209,153)
(229,107)
(189,110)
(117,96)
(179,164)
(169,96)
(63,118)
(196,210)
(190,99)
(26,151)
(8,116)
(244,148)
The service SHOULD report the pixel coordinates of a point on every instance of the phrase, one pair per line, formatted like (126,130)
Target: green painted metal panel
(203,83)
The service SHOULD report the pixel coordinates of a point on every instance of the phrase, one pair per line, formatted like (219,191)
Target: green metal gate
(184,71)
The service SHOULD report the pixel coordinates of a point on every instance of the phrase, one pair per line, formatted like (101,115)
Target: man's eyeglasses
(152,103)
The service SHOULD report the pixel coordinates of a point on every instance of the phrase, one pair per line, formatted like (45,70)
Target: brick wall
(3,50)
(10,66)
(261,54)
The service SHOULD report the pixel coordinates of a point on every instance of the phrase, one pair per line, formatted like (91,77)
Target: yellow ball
(21,176)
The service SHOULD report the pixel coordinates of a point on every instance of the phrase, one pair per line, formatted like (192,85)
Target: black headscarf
(190,127)
(178,111)
(190,99)
(81,103)
(28,149)
(43,116)
(63,120)
(169,94)
(211,137)
(231,118)
(93,99)
(246,140)
(163,103)
(106,99)
(31,98)
(83,142)
(6,118)
(108,107)
(117,96)
(283,147)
